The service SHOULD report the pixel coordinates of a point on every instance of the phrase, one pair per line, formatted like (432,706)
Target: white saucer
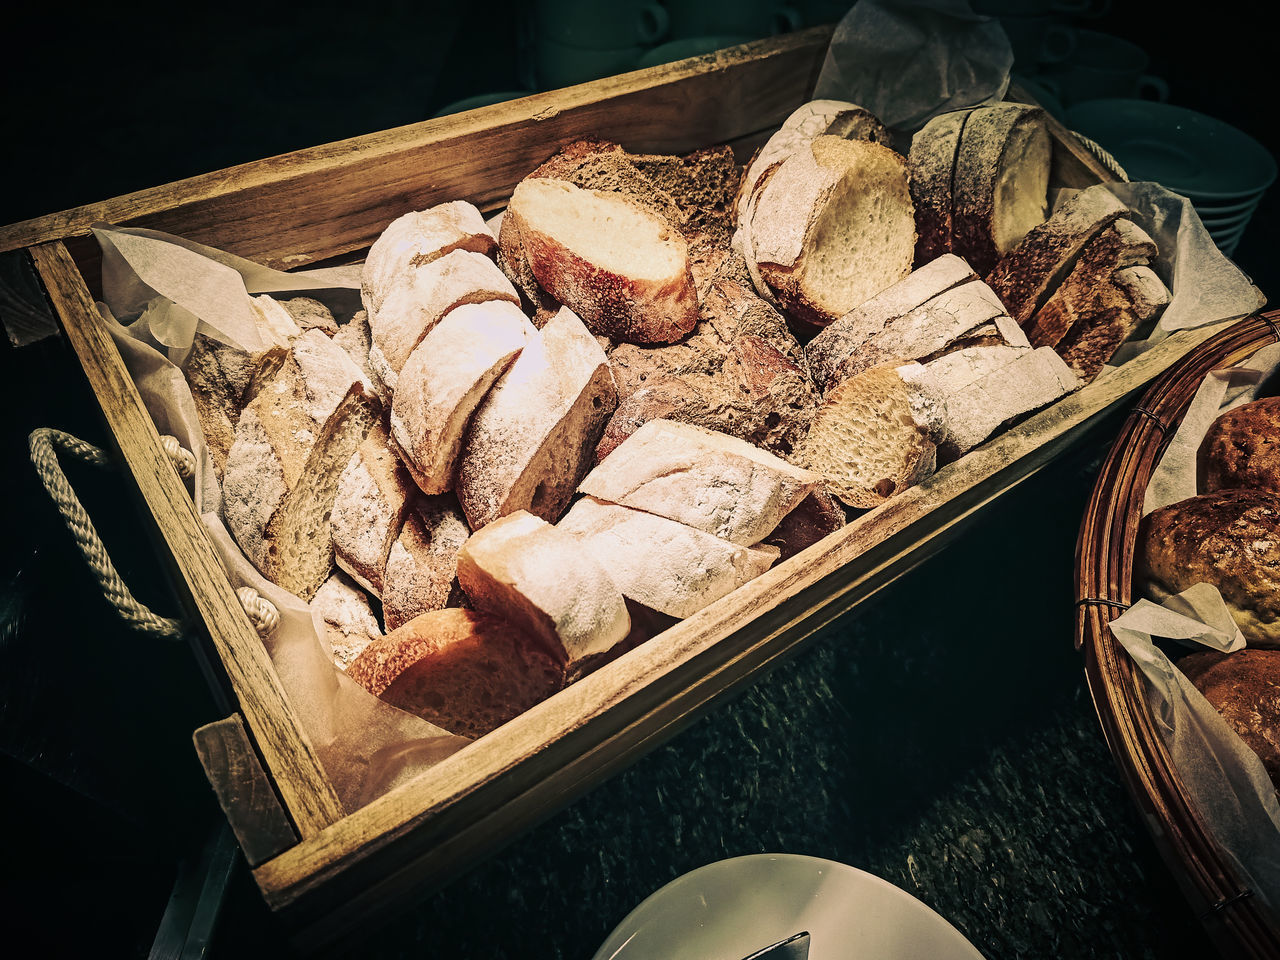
(732,908)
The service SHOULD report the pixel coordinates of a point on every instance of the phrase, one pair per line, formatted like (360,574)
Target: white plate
(730,909)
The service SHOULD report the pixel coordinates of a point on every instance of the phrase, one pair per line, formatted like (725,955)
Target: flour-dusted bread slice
(276,323)
(874,435)
(534,435)
(223,379)
(665,565)
(1034,379)
(525,570)
(310,314)
(711,481)
(463,671)
(349,623)
(833,226)
(1088,297)
(1029,273)
(421,299)
(818,515)
(932,161)
(374,493)
(444,381)
(416,239)
(1145,290)
(292,443)
(621,268)
(1000,189)
(354,337)
(953,372)
(830,348)
(422,565)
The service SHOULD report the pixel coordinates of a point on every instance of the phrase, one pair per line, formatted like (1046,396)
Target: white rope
(1101,153)
(183,460)
(262,612)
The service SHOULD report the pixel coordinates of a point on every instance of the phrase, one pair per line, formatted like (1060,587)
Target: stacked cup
(573,41)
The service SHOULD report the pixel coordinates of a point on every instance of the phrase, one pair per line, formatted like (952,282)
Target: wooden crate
(322,867)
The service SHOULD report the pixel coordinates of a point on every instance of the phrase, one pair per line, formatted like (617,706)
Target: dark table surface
(940,738)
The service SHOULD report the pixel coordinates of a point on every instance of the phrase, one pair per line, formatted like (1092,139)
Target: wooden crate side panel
(289,755)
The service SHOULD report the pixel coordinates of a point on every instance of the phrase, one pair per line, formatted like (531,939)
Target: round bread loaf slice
(466,672)
(416,239)
(1244,687)
(818,515)
(349,623)
(422,566)
(1242,449)
(933,162)
(833,226)
(621,268)
(874,435)
(1230,539)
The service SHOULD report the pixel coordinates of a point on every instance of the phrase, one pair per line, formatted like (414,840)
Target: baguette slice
(416,239)
(1025,276)
(533,436)
(292,443)
(1001,185)
(444,381)
(833,226)
(660,563)
(349,623)
(830,348)
(933,162)
(874,435)
(422,565)
(466,672)
(621,268)
(819,515)
(1145,290)
(525,570)
(710,481)
(373,497)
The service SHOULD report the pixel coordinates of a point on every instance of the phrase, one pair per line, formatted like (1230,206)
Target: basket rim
(1104,569)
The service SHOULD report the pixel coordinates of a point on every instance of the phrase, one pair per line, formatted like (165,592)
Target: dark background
(999,778)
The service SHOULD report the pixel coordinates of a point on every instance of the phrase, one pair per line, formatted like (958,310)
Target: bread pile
(1229,535)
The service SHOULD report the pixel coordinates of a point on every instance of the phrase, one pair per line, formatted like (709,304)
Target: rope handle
(42,443)
(1101,153)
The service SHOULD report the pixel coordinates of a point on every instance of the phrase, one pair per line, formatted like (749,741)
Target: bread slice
(422,565)
(416,239)
(444,381)
(1026,276)
(710,481)
(348,621)
(292,443)
(830,348)
(355,338)
(1001,186)
(533,436)
(665,565)
(818,515)
(308,314)
(874,435)
(1145,290)
(833,226)
(466,672)
(421,298)
(932,161)
(621,268)
(373,496)
(523,569)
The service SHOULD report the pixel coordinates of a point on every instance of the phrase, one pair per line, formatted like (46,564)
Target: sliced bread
(349,623)
(932,161)
(422,565)
(818,515)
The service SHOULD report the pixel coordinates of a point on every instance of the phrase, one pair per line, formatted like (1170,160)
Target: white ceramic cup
(597,25)
(751,18)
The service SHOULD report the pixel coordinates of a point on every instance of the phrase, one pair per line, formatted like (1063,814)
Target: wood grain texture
(25,315)
(339,197)
(427,830)
(244,792)
(292,761)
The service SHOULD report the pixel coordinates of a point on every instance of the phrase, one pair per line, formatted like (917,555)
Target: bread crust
(1244,687)
(1242,449)
(374,493)
(422,565)
(932,163)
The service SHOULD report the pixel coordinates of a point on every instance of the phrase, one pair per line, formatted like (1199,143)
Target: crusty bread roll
(1231,539)
(1241,448)
(874,435)
(443,382)
(349,623)
(832,226)
(292,443)
(932,161)
(416,239)
(620,267)
(1244,687)
(373,495)
(710,481)
(523,569)
(665,565)
(466,672)
(422,565)
(533,436)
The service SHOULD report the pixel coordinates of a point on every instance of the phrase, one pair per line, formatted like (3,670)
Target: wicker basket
(1104,572)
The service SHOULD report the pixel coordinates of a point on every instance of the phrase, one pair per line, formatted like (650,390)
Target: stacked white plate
(1222,171)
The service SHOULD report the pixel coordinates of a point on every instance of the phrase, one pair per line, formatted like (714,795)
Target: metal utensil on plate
(794,947)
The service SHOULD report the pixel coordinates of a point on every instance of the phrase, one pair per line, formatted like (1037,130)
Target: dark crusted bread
(466,672)
(1245,688)
(816,516)
(1242,449)
(932,162)
(1230,539)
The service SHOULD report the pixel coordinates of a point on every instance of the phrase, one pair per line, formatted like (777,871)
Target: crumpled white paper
(908,61)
